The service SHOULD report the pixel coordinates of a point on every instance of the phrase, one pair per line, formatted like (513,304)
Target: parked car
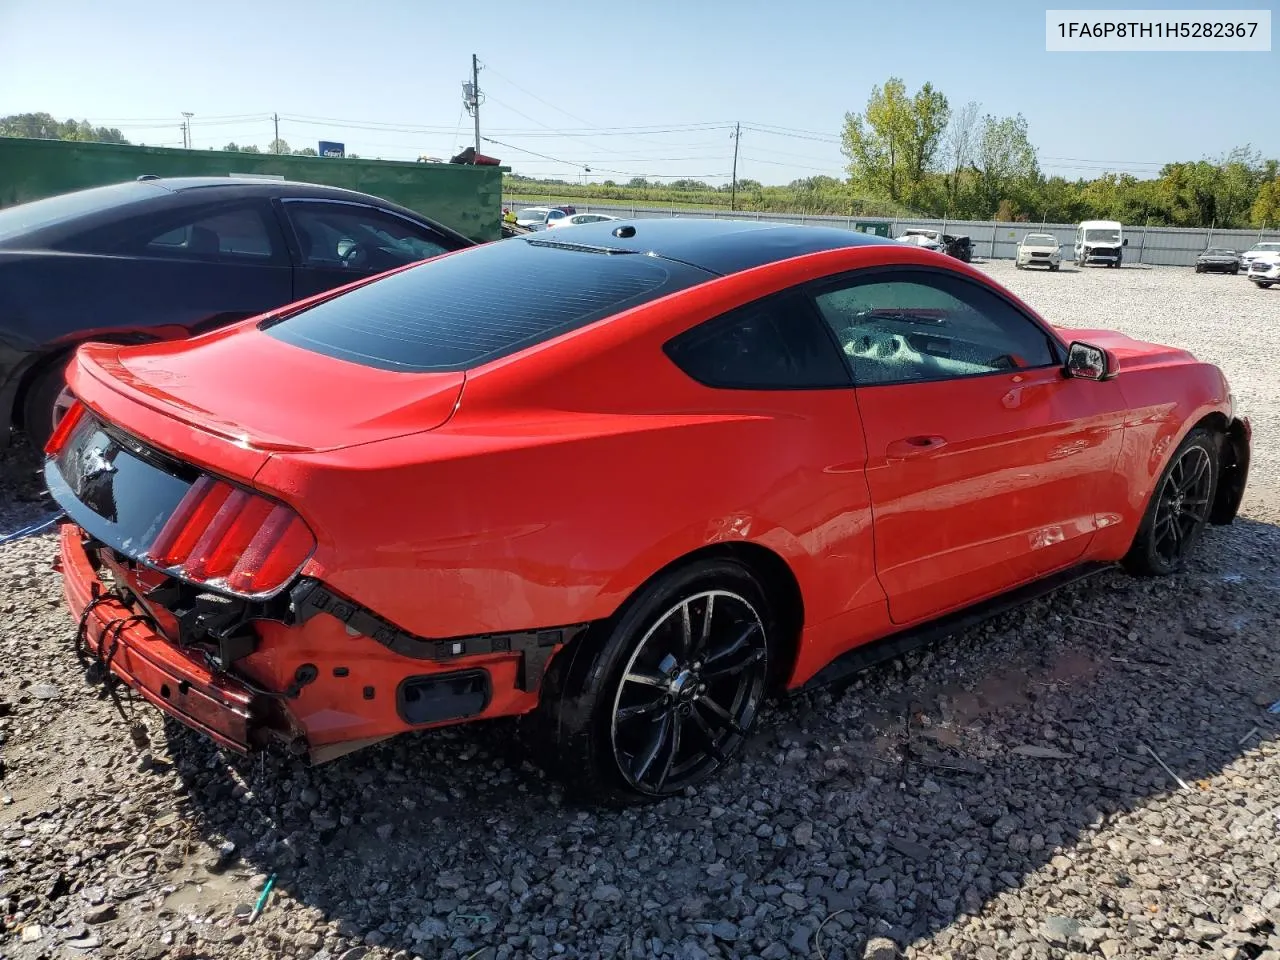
(1264,269)
(1039,248)
(158,259)
(1100,241)
(1218,260)
(539,218)
(259,516)
(1265,246)
(922,240)
(574,219)
(959,247)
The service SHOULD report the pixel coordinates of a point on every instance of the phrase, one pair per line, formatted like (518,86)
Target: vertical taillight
(58,439)
(230,538)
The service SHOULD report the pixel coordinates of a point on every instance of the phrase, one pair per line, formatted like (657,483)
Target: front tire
(1179,507)
(666,692)
(1263,284)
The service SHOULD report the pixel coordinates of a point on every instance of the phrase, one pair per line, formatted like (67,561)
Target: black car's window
(459,311)
(358,238)
(39,214)
(909,327)
(772,344)
(233,234)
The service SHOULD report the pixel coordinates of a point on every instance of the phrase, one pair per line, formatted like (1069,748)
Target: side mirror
(1124,242)
(1087,362)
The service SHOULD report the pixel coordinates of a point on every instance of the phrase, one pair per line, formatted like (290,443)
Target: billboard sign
(331,149)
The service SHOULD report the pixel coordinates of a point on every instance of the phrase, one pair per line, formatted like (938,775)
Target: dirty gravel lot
(993,797)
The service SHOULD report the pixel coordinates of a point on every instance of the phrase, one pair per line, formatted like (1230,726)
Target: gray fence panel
(1152,246)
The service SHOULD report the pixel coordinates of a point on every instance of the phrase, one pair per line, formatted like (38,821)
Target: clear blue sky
(387,73)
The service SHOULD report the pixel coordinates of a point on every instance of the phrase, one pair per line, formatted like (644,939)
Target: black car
(1218,259)
(159,259)
(959,247)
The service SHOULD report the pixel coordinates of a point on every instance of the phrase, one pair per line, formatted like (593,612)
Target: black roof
(719,246)
(249,185)
(54,219)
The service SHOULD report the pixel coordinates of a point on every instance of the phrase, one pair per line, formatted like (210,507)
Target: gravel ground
(997,796)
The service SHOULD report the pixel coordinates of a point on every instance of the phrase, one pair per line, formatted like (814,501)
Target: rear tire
(665,692)
(46,400)
(1263,284)
(1179,507)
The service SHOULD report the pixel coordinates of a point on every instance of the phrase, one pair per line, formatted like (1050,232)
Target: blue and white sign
(330,149)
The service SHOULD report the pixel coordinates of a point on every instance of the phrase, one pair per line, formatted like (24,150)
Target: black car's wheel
(46,401)
(1235,271)
(1263,284)
(1179,507)
(1199,268)
(668,694)
(1054,266)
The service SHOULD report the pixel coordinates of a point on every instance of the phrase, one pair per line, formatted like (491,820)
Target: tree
(1005,161)
(306,152)
(278,146)
(872,140)
(42,126)
(893,144)
(1266,209)
(637,182)
(958,145)
(234,147)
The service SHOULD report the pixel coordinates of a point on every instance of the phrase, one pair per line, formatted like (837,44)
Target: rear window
(38,214)
(462,310)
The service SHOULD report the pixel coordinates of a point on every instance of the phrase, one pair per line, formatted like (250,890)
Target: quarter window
(231,234)
(772,344)
(929,327)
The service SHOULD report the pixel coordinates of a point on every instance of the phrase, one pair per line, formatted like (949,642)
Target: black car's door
(190,269)
(337,241)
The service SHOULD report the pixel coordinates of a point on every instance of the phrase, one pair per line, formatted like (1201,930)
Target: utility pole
(733,189)
(186,128)
(475,94)
(471,97)
(275,143)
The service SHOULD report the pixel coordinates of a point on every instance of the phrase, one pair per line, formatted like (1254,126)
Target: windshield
(1259,247)
(1040,240)
(37,214)
(1219,252)
(532,213)
(1102,236)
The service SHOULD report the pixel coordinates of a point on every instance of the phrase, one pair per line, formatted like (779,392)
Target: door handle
(910,447)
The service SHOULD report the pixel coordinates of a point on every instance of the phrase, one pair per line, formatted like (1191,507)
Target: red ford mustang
(626,480)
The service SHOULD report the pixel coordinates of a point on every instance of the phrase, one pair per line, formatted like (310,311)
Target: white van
(1100,241)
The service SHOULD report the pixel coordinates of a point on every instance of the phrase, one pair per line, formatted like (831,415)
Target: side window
(772,344)
(929,327)
(240,234)
(362,239)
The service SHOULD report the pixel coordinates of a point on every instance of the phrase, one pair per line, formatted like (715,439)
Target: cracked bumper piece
(321,674)
(161,673)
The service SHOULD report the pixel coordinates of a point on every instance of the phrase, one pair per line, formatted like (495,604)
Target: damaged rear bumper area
(310,672)
(116,640)
(189,589)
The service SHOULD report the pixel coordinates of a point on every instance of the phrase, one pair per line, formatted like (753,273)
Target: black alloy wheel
(1182,507)
(689,692)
